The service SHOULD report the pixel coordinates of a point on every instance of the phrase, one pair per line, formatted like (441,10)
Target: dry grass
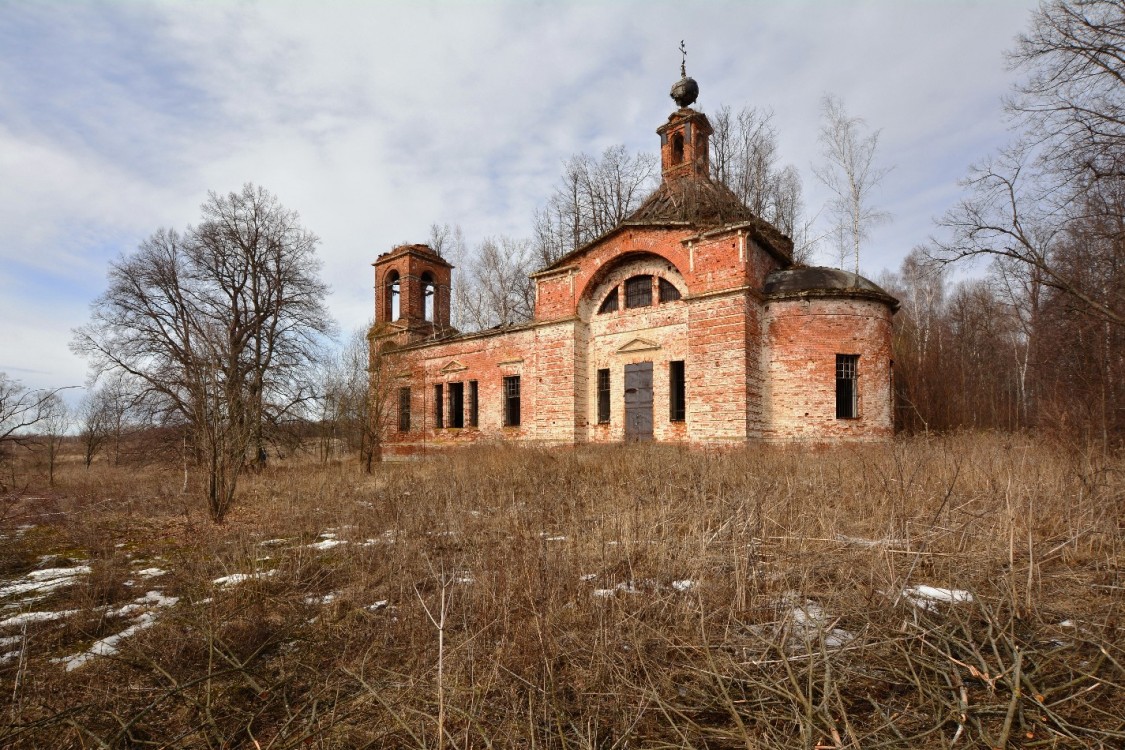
(533,599)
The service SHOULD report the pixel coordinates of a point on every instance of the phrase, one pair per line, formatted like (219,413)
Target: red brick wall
(803,337)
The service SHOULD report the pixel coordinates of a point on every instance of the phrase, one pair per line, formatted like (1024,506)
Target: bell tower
(412,287)
(685,138)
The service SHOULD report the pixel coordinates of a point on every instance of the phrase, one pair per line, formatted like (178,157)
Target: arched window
(677,148)
(610,302)
(428,296)
(668,291)
(394,308)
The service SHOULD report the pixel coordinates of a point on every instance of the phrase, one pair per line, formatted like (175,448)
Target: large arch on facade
(623,267)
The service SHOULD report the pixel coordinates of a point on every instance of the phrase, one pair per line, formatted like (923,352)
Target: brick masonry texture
(758,367)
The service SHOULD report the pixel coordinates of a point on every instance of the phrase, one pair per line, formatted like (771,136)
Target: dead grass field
(606,597)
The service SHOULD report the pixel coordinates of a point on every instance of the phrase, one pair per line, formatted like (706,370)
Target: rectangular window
(473,409)
(439,406)
(603,396)
(404,410)
(677,392)
(512,401)
(847,386)
(456,404)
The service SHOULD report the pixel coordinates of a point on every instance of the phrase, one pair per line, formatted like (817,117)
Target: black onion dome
(685,91)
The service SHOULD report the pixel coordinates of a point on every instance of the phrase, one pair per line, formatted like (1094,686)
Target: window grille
(609,304)
(668,291)
(512,401)
(847,386)
(404,410)
(603,396)
(677,392)
(638,291)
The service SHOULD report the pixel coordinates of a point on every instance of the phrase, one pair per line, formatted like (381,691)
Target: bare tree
(499,291)
(55,426)
(21,409)
(744,157)
(594,196)
(218,328)
(850,172)
(1072,101)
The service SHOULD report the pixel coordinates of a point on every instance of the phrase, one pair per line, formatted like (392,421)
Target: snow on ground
(152,573)
(28,617)
(928,597)
(43,581)
(108,646)
(326,599)
(149,600)
(328,543)
(810,623)
(236,578)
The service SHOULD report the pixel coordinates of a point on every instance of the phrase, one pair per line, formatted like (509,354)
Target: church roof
(703,204)
(823,282)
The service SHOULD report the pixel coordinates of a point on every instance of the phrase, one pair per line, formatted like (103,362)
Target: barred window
(603,396)
(404,410)
(638,292)
(609,304)
(847,386)
(512,401)
(668,291)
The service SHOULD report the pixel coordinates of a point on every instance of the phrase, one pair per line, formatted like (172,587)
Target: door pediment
(453,366)
(638,345)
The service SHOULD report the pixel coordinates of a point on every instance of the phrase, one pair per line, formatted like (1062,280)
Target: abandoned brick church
(687,322)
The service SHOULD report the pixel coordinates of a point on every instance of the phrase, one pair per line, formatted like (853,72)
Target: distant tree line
(1040,340)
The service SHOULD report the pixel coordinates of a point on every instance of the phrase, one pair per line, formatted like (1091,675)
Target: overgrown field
(963,591)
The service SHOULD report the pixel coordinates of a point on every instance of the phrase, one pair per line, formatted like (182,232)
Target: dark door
(638,401)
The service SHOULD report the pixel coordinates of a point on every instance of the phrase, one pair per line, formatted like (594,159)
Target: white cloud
(374,120)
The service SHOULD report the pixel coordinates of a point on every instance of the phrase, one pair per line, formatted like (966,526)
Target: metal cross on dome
(683,60)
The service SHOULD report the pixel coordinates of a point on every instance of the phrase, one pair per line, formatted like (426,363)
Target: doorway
(638,402)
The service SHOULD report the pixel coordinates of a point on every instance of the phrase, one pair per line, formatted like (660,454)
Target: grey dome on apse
(803,282)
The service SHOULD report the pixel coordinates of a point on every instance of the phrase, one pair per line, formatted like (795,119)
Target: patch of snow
(928,597)
(26,617)
(604,592)
(463,577)
(327,543)
(10,656)
(236,578)
(381,604)
(152,573)
(810,623)
(1063,624)
(627,587)
(149,600)
(554,538)
(272,542)
(10,640)
(108,646)
(587,576)
(330,534)
(685,585)
(43,581)
(326,599)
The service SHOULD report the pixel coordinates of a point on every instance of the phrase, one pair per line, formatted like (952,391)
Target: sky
(374,120)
